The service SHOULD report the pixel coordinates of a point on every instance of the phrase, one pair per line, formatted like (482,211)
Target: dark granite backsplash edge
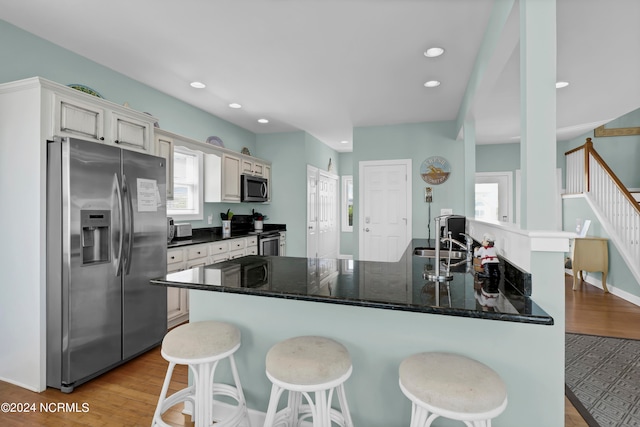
(519,279)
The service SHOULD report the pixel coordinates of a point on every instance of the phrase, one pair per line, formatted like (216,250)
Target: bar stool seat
(201,346)
(304,365)
(451,386)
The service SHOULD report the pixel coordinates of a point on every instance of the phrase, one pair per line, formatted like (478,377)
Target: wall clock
(435,170)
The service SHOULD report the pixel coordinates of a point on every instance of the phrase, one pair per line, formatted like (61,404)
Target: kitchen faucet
(467,246)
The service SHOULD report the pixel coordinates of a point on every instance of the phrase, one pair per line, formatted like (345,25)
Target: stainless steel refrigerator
(106,238)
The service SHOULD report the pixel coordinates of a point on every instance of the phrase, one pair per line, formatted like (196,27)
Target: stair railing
(587,173)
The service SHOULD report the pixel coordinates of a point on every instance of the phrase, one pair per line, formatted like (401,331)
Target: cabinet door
(247,166)
(231,167)
(77,118)
(164,148)
(267,175)
(258,169)
(177,299)
(252,167)
(131,133)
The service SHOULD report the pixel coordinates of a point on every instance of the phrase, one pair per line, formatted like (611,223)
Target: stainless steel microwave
(253,189)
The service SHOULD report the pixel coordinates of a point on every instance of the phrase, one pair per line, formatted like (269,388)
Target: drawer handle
(173,257)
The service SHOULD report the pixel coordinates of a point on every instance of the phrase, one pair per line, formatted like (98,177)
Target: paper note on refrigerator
(147,195)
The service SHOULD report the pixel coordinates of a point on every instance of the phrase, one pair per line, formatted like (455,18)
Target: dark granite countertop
(384,285)
(214,234)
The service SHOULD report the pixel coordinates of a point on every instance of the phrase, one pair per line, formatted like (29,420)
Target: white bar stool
(451,386)
(201,346)
(305,365)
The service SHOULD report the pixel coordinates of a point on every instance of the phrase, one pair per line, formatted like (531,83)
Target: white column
(470,168)
(538,113)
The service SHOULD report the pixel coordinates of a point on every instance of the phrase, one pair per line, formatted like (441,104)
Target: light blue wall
(289,186)
(497,157)
(318,154)
(28,56)
(290,153)
(415,141)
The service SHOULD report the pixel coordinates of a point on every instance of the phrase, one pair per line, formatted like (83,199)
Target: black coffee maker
(456,224)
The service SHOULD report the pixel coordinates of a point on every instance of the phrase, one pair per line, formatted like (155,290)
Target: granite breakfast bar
(382,312)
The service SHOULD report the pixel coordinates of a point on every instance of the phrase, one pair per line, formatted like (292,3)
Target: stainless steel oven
(256,274)
(269,243)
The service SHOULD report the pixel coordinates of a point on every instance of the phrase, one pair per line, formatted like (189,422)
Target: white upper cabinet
(77,114)
(164,148)
(231,177)
(253,167)
(76,118)
(130,132)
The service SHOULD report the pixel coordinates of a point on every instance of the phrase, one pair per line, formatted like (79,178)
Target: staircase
(617,209)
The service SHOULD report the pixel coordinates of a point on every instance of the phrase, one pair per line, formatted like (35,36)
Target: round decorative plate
(85,89)
(435,170)
(214,140)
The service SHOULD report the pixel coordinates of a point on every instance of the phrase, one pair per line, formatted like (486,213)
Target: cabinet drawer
(219,258)
(237,254)
(196,252)
(252,241)
(237,244)
(196,263)
(218,248)
(175,256)
(252,250)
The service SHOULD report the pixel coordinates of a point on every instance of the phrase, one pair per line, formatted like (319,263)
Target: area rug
(602,376)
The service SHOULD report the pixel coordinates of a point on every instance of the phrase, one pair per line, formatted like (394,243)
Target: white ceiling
(327,66)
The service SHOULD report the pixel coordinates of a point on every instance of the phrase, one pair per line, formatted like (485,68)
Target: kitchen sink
(444,253)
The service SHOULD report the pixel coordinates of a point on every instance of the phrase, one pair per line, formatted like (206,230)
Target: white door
(494,196)
(322,214)
(327,215)
(385,214)
(312,212)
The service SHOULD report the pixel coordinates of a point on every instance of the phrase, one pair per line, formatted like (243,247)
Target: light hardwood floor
(590,311)
(127,396)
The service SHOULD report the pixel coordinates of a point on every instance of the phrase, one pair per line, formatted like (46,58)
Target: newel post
(588,146)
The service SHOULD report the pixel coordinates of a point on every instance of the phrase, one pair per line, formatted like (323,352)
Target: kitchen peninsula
(382,312)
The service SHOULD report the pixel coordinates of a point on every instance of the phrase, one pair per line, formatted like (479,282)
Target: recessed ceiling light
(344,142)
(433,52)
(560,85)
(235,105)
(263,121)
(432,83)
(198,85)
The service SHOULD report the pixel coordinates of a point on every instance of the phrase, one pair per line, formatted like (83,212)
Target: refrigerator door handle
(127,192)
(121,218)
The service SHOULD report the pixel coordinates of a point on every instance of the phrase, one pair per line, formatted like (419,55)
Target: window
(347,203)
(187,200)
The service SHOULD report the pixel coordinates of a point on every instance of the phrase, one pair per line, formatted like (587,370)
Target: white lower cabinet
(177,298)
(197,256)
